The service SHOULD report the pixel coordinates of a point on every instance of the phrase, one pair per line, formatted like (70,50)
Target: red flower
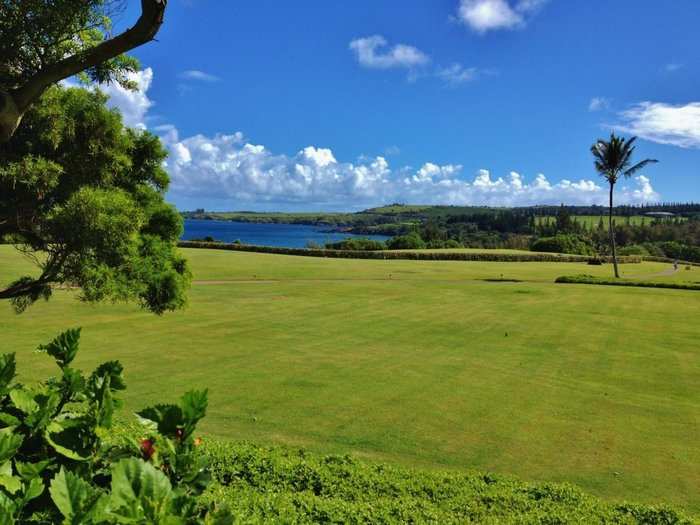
(147,448)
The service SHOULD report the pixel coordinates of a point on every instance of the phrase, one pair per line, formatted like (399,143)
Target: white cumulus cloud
(373,52)
(490,15)
(238,173)
(133,105)
(242,174)
(677,125)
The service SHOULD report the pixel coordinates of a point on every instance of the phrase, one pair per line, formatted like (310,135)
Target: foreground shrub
(277,485)
(58,464)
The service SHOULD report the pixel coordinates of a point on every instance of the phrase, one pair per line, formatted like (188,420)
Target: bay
(266,234)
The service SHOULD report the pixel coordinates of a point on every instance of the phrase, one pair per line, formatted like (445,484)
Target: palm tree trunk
(612,232)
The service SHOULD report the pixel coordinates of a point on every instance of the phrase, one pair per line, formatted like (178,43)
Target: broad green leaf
(8,366)
(37,405)
(105,405)
(48,403)
(7,510)
(194,408)
(75,498)
(73,381)
(10,483)
(113,370)
(30,471)
(64,347)
(140,493)
(168,418)
(24,400)
(9,420)
(33,490)
(72,438)
(10,441)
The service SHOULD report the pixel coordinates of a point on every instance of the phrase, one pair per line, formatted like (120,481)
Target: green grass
(417,363)
(592,221)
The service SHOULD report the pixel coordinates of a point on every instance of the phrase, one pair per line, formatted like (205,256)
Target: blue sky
(329,105)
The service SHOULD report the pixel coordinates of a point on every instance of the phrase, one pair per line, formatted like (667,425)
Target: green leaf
(105,406)
(168,418)
(10,441)
(140,493)
(8,367)
(194,408)
(64,347)
(29,471)
(38,406)
(9,420)
(24,401)
(75,498)
(73,381)
(34,489)
(71,437)
(7,510)
(113,370)
(10,483)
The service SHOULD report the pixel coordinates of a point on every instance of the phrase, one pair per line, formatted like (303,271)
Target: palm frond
(634,169)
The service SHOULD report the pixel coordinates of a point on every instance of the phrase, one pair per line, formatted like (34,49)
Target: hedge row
(280,485)
(589,279)
(414,255)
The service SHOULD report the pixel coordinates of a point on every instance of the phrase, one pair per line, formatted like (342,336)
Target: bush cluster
(354,243)
(277,485)
(59,463)
(411,255)
(573,244)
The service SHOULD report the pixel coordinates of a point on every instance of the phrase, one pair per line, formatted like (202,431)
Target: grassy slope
(432,367)
(592,221)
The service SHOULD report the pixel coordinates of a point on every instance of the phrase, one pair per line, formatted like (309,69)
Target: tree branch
(148,24)
(14,103)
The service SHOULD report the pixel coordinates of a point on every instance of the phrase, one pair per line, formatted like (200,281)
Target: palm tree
(612,161)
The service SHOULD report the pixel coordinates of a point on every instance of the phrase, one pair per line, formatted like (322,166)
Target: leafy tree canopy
(83,196)
(43,42)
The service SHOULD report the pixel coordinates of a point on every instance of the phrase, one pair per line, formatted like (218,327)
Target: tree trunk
(612,233)
(14,104)
(10,116)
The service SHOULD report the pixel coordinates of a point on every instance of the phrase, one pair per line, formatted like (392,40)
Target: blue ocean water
(282,235)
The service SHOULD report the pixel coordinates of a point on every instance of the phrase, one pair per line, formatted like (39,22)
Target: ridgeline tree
(83,197)
(44,42)
(613,159)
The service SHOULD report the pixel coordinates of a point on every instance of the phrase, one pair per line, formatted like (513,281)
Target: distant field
(592,221)
(420,363)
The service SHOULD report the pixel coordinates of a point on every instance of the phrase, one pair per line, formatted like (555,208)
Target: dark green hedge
(590,279)
(417,255)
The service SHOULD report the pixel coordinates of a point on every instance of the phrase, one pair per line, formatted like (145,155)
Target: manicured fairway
(592,221)
(419,362)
